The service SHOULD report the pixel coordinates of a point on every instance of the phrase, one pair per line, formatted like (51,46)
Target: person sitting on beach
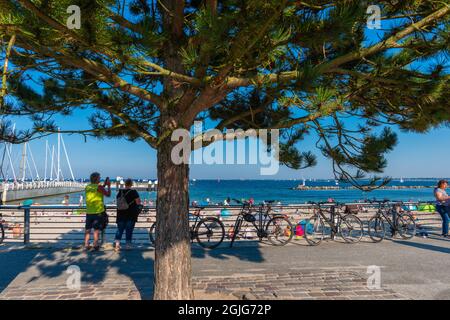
(95,208)
(66,202)
(442,205)
(226,202)
(128,203)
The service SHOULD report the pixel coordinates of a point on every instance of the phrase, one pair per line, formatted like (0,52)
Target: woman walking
(128,203)
(443,205)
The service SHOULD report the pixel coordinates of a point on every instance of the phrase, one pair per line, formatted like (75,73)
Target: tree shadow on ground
(12,263)
(423,246)
(47,263)
(97,267)
(249,251)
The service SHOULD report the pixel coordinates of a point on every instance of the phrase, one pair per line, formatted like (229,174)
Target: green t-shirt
(94,200)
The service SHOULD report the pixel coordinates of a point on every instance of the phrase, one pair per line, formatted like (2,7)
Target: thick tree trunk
(173,249)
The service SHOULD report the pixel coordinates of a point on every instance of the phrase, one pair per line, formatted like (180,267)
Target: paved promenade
(414,269)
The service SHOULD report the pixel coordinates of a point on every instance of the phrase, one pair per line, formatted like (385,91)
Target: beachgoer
(95,208)
(128,208)
(66,200)
(442,205)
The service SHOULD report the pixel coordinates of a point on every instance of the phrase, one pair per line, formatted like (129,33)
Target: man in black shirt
(128,207)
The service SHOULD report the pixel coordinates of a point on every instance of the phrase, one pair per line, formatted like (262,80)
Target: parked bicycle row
(228,223)
(328,220)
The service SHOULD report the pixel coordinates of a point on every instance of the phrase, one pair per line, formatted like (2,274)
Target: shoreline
(301,187)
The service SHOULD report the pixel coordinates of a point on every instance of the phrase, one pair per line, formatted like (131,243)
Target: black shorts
(95,221)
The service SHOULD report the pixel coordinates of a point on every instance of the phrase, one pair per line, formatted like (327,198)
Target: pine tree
(146,68)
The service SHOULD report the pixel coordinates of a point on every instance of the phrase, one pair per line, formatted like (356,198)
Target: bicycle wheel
(152,233)
(314,230)
(351,228)
(209,232)
(377,228)
(406,226)
(279,231)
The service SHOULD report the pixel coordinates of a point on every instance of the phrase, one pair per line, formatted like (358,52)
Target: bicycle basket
(249,217)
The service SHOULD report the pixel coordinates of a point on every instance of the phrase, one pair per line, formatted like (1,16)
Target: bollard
(394,221)
(26,225)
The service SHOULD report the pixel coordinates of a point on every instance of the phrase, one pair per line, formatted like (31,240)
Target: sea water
(280,190)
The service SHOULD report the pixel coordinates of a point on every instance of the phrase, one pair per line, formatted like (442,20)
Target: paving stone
(309,284)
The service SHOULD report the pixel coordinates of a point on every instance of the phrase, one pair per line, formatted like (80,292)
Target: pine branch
(328,67)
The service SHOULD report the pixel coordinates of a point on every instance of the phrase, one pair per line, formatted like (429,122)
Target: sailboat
(401,180)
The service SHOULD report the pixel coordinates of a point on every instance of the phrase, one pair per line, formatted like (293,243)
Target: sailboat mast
(52,162)
(58,157)
(46,160)
(23,162)
(34,163)
(67,158)
(9,151)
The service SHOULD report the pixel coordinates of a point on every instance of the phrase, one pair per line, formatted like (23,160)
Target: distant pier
(10,192)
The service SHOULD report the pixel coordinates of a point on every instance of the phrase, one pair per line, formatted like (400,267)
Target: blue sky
(416,155)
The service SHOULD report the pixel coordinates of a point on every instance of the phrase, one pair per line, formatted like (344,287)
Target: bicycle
(348,226)
(275,227)
(381,223)
(208,231)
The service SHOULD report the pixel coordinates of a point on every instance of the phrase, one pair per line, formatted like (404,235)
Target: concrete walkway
(414,269)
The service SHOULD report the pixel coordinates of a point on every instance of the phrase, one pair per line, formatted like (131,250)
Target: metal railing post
(26,225)
(333,220)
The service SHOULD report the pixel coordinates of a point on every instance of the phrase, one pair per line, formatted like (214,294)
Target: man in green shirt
(95,208)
